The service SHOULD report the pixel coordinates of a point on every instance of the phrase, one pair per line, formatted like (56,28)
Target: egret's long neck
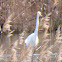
(37,24)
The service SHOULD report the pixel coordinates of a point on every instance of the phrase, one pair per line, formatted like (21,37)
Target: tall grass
(6,26)
(25,54)
(18,52)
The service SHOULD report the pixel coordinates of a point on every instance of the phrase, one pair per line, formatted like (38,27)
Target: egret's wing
(29,39)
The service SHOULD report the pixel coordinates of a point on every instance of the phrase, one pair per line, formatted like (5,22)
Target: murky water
(6,41)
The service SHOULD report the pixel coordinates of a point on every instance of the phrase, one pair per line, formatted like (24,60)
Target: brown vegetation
(20,15)
(25,13)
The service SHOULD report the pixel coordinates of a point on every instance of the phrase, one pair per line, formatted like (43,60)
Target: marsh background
(22,17)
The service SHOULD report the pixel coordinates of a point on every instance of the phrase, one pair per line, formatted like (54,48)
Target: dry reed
(45,22)
(1,53)
(26,54)
(57,38)
(45,53)
(21,37)
(59,55)
(59,43)
(7,25)
(13,57)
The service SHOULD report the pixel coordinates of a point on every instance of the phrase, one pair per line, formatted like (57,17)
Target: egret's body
(33,38)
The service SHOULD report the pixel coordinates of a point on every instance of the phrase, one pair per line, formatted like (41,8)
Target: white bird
(33,38)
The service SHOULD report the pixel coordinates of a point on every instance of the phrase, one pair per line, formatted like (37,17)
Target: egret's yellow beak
(0,29)
(40,15)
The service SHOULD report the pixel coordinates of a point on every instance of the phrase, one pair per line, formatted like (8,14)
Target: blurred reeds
(18,52)
(25,54)
(6,26)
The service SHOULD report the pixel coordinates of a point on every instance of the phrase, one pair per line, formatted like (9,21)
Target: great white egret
(33,38)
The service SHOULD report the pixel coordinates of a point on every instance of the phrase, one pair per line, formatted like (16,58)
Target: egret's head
(38,12)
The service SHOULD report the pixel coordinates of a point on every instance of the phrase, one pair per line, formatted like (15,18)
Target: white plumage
(33,38)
